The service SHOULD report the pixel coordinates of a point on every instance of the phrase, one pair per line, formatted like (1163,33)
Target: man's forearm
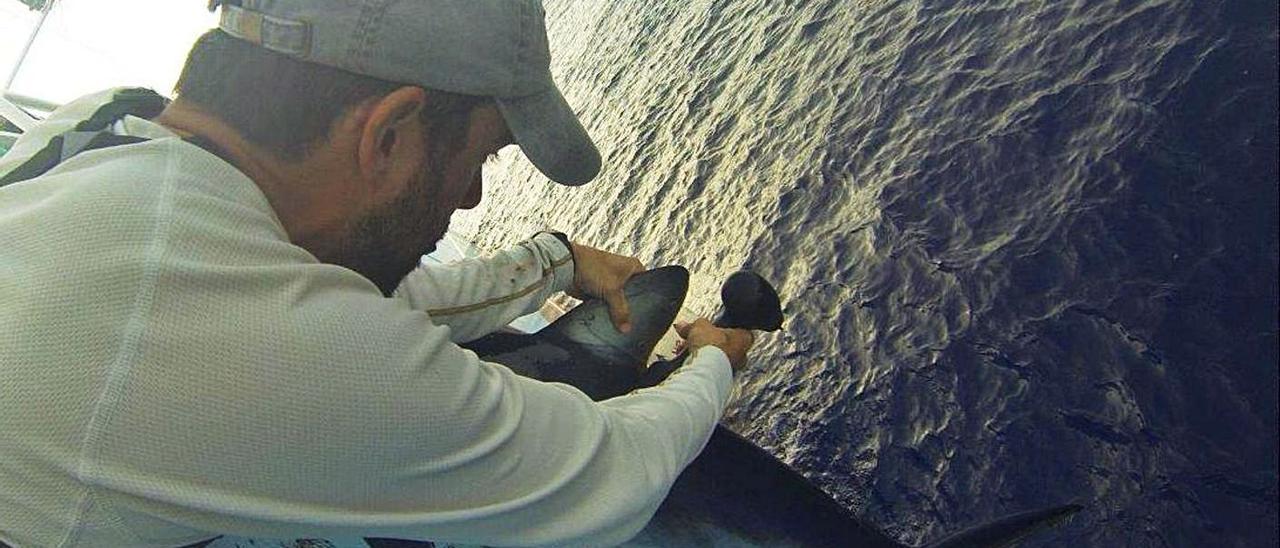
(477,296)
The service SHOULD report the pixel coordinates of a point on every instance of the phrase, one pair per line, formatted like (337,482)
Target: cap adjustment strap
(276,34)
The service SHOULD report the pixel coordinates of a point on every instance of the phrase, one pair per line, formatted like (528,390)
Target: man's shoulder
(122,194)
(136,173)
(139,168)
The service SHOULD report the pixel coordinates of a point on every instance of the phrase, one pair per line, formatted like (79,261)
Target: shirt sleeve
(475,297)
(306,405)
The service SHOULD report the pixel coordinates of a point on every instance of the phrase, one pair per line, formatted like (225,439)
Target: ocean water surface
(1028,249)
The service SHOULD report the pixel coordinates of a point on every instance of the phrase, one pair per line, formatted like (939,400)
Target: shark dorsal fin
(582,348)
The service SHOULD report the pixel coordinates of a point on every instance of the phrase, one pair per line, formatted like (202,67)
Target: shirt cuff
(713,358)
(561,259)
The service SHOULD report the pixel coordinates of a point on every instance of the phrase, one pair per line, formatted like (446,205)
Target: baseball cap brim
(551,136)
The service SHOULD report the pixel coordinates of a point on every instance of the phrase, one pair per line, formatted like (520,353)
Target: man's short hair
(286,105)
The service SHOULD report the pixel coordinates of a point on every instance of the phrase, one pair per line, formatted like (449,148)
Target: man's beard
(388,243)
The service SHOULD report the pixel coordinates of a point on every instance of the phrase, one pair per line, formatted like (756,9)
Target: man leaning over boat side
(215,322)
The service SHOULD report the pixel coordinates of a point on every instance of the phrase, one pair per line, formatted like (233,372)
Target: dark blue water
(1028,249)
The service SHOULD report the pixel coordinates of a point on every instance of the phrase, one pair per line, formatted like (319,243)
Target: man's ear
(383,143)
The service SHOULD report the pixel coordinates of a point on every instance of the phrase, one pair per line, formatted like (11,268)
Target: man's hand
(734,342)
(602,275)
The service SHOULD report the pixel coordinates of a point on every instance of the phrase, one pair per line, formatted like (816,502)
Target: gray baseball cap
(493,48)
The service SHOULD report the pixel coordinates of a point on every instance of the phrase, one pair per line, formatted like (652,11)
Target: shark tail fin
(749,302)
(1007,531)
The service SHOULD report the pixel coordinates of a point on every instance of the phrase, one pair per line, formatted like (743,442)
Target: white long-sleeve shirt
(173,368)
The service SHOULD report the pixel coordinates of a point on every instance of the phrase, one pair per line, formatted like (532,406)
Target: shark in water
(734,493)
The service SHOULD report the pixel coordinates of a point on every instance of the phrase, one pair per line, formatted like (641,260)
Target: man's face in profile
(387,243)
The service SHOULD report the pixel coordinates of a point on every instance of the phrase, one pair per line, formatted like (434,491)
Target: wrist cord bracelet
(565,240)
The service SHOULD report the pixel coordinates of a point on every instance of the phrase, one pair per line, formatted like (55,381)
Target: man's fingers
(701,332)
(685,329)
(636,267)
(619,311)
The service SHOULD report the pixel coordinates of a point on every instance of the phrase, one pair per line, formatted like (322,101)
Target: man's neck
(297,191)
